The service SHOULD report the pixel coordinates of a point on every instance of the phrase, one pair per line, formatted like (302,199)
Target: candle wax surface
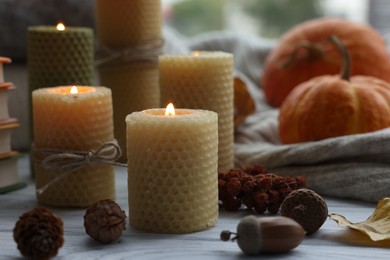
(203,80)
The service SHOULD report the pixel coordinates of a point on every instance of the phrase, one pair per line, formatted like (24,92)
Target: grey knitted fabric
(354,166)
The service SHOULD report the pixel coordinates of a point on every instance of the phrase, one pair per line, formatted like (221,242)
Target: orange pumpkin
(331,106)
(304,53)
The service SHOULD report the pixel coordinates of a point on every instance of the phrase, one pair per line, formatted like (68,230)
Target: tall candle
(203,80)
(73,122)
(134,88)
(172,170)
(58,57)
(123,23)
(131,32)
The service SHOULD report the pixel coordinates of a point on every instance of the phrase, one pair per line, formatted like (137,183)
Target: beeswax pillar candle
(60,57)
(134,88)
(73,122)
(122,23)
(203,80)
(130,36)
(172,170)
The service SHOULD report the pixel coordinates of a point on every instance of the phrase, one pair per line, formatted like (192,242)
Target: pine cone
(105,221)
(39,234)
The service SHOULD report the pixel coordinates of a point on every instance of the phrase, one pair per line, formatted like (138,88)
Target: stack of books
(9,177)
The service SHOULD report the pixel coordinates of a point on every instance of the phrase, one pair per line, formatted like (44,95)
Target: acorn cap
(307,208)
(249,235)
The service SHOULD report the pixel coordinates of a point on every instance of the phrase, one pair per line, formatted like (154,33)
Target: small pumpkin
(303,53)
(330,106)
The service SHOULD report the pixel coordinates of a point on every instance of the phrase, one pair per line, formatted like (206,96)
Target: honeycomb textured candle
(134,88)
(73,122)
(123,23)
(204,81)
(58,58)
(172,170)
(132,28)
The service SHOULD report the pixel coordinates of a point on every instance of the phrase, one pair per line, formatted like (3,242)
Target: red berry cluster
(256,188)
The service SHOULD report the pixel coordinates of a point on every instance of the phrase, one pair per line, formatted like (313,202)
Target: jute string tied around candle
(69,161)
(140,54)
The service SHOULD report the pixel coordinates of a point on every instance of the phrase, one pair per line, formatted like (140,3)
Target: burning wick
(170,110)
(60,26)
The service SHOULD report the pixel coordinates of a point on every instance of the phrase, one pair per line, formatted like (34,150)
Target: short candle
(172,170)
(80,121)
(203,80)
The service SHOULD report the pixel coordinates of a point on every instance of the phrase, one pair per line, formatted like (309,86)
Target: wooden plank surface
(328,243)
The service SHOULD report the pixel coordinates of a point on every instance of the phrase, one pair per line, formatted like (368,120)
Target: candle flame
(74,90)
(170,110)
(60,26)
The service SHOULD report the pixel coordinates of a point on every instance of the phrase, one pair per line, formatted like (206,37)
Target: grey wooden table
(331,242)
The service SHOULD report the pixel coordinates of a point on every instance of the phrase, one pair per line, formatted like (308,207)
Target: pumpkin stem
(314,51)
(346,66)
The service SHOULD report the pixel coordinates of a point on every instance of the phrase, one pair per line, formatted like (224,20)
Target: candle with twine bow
(129,33)
(74,145)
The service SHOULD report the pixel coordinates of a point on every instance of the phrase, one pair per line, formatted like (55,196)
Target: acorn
(266,234)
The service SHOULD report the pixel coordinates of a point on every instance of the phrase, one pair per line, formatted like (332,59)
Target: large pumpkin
(304,53)
(329,106)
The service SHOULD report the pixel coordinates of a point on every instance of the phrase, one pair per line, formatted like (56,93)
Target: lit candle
(203,80)
(60,55)
(172,170)
(78,121)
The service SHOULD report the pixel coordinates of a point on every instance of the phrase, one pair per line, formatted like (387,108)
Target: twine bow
(70,161)
(147,52)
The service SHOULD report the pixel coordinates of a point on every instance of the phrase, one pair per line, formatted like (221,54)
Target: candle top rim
(161,112)
(52,28)
(180,114)
(201,54)
(65,90)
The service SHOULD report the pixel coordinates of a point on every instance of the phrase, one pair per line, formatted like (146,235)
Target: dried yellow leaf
(243,102)
(377,226)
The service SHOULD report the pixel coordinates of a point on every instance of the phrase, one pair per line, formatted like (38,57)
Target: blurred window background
(265,18)
(268,18)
